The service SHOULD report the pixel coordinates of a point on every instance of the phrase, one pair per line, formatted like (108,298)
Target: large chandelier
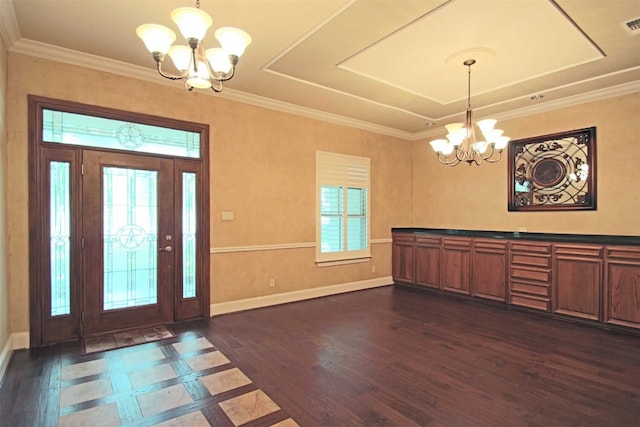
(461,144)
(198,67)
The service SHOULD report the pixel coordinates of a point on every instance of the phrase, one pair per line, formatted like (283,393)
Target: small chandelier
(198,67)
(461,138)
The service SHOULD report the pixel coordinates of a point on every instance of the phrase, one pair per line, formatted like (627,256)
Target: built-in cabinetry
(403,265)
(530,275)
(577,280)
(488,269)
(456,265)
(622,286)
(427,261)
(596,281)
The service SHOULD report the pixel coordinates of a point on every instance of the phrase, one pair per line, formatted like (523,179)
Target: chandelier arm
(446,161)
(170,76)
(216,89)
(219,77)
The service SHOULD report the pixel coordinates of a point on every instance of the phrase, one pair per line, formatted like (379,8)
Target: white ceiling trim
(54,53)
(9,30)
(596,95)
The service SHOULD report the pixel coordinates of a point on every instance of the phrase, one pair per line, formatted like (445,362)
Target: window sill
(343,261)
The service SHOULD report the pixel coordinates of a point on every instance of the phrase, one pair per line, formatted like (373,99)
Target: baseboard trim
(283,298)
(14,342)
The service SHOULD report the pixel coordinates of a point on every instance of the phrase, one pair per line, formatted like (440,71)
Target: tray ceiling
(393,67)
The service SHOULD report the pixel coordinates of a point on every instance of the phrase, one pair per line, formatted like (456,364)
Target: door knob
(165,249)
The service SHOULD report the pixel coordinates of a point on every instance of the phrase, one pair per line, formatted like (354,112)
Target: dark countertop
(546,237)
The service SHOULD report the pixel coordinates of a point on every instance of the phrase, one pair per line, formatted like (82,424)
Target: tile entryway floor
(181,381)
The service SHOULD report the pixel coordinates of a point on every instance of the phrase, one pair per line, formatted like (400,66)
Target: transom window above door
(99,132)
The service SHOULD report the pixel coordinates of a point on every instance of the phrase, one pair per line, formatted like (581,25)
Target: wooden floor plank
(387,356)
(391,356)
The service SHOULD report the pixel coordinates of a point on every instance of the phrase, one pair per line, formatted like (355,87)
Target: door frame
(45,329)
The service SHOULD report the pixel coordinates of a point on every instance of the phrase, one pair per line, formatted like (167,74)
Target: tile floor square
(142,356)
(248,407)
(151,375)
(84,369)
(84,392)
(164,399)
(192,345)
(207,361)
(286,423)
(193,419)
(224,381)
(100,416)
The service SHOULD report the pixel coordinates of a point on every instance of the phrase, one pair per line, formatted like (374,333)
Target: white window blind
(343,206)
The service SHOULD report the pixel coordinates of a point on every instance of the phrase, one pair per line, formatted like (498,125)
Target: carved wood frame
(555,172)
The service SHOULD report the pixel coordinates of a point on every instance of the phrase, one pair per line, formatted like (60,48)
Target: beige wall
(262,169)
(4,298)
(475,197)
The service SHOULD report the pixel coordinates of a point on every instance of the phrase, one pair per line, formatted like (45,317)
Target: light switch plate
(227,215)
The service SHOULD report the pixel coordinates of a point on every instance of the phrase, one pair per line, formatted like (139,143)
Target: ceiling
(389,66)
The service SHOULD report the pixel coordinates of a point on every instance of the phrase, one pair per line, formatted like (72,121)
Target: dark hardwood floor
(395,357)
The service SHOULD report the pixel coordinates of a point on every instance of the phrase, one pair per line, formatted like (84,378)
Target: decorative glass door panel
(128,204)
(130,237)
(118,220)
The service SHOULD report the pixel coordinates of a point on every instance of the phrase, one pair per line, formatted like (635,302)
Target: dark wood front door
(118,220)
(128,243)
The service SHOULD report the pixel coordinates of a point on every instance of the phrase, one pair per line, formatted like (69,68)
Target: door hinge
(82,317)
(82,169)
(82,243)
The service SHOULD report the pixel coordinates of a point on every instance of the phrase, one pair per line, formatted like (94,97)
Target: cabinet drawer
(528,288)
(531,260)
(531,248)
(582,251)
(537,275)
(428,240)
(630,253)
(531,302)
(403,238)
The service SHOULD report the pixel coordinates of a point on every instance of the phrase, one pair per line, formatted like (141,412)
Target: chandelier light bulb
(219,60)
(181,56)
(199,79)
(192,22)
(157,38)
(233,40)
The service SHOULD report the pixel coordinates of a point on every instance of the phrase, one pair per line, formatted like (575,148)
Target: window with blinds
(342,184)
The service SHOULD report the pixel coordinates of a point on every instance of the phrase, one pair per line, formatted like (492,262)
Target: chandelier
(461,144)
(198,67)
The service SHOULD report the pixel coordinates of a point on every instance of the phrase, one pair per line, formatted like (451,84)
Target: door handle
(166,249)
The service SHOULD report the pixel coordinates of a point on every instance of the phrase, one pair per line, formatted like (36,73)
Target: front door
(128,257)
(118,214)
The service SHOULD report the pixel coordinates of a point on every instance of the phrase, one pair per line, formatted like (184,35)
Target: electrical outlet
(373,269)
(272,283)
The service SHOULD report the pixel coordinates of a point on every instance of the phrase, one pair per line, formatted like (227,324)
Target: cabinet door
(577,281)
(402,257)
(622,286)
(456,264)
(489,269)
(428,261)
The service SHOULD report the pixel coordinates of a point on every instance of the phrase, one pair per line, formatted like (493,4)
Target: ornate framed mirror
(553,172)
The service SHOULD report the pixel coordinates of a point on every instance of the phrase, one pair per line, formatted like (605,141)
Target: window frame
(337,170)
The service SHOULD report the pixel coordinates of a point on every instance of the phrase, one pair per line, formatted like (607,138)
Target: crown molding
(9,30)
(10,34)
(583,98)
